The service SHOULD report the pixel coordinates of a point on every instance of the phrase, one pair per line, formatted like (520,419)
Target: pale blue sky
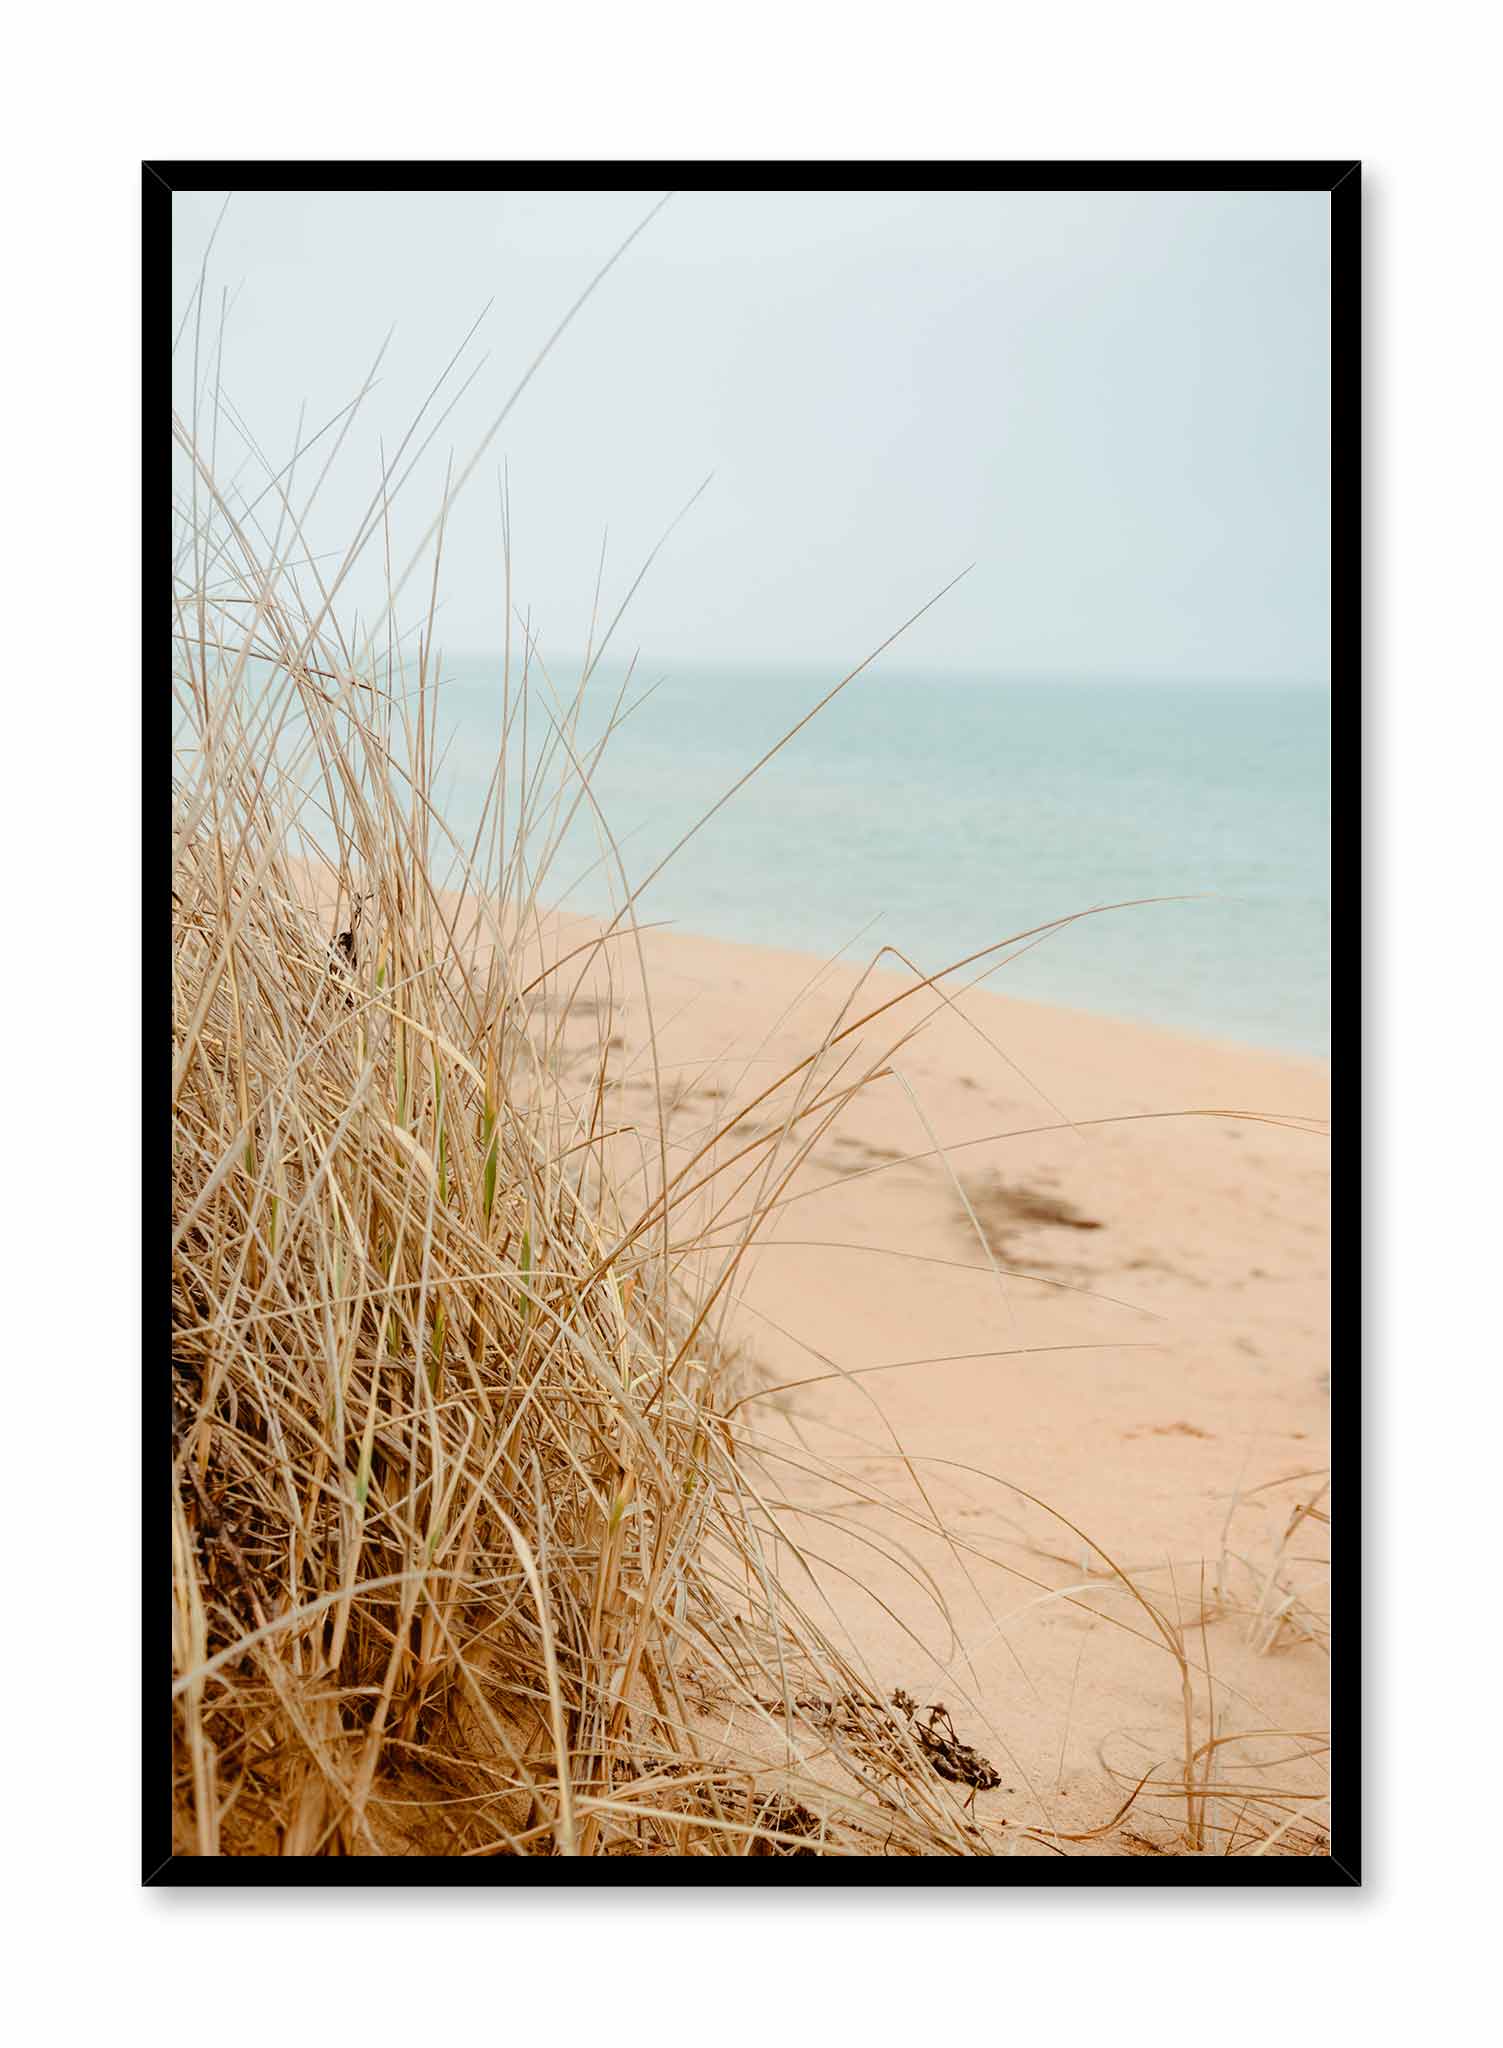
(1114,404)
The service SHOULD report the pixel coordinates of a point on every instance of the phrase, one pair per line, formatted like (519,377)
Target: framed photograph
(752,753)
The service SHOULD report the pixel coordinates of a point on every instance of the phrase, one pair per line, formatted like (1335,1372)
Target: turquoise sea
(941,812)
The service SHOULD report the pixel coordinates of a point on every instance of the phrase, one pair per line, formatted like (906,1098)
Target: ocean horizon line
(789,667)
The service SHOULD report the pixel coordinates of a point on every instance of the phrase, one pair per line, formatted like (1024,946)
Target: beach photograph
(751,1010)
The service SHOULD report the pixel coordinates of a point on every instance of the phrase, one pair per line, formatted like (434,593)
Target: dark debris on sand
(852,1715)
(936,1737)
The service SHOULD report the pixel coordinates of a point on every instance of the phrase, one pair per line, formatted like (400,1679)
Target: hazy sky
(1114,404)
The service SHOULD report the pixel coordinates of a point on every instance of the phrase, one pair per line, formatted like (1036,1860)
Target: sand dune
(1022,1281)
(1124,1310)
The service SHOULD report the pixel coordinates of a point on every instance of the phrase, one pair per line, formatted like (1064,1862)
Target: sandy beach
(1113,1307)
(1047,1269)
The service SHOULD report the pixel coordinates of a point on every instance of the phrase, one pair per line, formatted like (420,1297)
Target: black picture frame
(1341,179)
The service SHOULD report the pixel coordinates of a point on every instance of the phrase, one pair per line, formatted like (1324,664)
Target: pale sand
(1180,1436)
(1219,1228)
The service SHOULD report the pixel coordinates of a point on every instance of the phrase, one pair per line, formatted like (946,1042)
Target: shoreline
(1039,1007)
(850,957)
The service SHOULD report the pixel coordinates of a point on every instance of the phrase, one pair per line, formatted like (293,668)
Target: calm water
(940,813)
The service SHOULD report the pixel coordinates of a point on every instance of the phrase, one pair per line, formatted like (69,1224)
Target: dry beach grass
(460,1507)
